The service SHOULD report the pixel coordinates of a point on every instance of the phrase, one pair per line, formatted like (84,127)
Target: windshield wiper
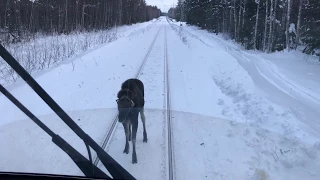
(86,166)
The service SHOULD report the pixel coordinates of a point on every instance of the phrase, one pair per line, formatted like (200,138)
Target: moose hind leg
(126,131)
(130,134)
(143,119)
(134,135)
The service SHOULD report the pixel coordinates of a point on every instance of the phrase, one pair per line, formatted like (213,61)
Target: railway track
(167,105)
(114,123)
(168,111)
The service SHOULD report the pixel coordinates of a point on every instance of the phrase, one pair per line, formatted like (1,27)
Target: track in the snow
(113,126)
(168,110)
(107,138)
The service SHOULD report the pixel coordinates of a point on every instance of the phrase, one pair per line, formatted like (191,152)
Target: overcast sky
(163,5)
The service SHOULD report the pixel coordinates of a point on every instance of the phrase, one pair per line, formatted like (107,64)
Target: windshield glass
(181,89)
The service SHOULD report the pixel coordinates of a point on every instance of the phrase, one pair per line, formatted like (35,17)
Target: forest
(22,18)
(42,33)
(266,25)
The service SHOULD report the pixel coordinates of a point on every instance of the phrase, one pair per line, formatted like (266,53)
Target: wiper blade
(115,169)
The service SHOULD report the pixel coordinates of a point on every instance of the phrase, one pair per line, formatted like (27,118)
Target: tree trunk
(76,14)
(274,26)
(31,19)
(18,20)
(235,21)
(265,28)
(287,24)
(239,19)
(120,12)
(298,24)
(5,15)
(244,12)
(66,17)
(96,24)
(270,27)
(223,21)
(46,19)
(230,21)
(256,26)
(82,14)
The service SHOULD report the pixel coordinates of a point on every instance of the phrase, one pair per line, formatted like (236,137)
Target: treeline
(18,17)
(266,25)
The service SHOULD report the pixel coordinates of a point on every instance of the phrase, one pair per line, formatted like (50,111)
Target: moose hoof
(145,137)
(134,158)
(134,161)
(126,151)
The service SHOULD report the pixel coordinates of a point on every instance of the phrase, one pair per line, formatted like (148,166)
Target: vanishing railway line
(167,109)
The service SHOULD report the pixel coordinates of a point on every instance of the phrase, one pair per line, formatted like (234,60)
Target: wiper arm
(115,169)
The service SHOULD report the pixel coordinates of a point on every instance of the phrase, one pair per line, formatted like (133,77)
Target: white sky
(163,5)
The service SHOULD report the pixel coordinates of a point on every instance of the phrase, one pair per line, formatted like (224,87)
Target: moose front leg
(134,135)
(126,131)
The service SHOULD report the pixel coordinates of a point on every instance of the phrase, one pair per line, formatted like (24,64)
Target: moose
(130,103)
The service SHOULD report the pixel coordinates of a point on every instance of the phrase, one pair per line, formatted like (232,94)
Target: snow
(31,150)
(221,149)
(110,62)
(237,114)
(254,69)
(292,28)
(86,91)
(150,155)
(46,52)
(249,90)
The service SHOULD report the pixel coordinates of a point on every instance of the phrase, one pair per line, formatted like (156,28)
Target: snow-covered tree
(242,20)
(63,16)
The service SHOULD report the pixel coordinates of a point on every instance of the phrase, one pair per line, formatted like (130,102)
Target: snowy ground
(236,114)
(246,91)
(151,155)
(45,51)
